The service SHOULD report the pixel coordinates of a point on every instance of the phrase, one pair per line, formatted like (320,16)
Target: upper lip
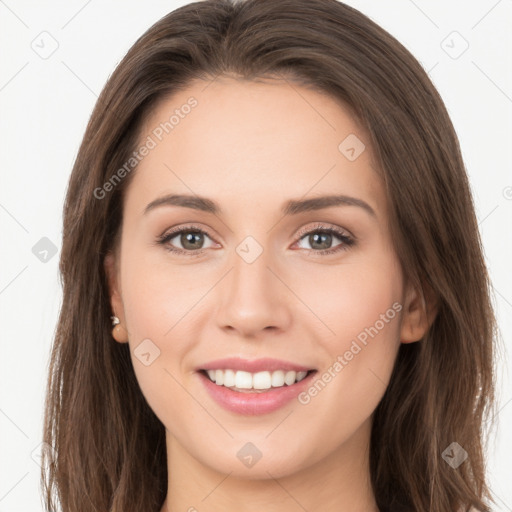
(253,366)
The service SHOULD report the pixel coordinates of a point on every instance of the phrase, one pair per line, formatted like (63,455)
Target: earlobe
(119,333)
(420,310)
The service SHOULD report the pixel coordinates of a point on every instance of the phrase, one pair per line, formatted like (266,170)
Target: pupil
(189,239)
(316,237)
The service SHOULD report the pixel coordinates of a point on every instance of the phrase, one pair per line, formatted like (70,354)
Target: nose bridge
(253,298)
(251,264)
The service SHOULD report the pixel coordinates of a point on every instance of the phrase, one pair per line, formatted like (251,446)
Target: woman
(274,290)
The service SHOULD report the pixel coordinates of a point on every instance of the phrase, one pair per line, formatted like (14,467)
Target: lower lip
(252,404)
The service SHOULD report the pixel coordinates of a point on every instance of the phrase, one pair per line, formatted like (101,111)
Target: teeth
(260,380)
(229,378)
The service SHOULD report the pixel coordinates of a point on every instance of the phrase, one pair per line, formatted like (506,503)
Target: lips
(254,402)
(253,366)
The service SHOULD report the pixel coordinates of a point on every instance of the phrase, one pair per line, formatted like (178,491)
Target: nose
(253,297)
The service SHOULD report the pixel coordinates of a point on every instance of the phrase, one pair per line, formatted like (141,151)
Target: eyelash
(347,241)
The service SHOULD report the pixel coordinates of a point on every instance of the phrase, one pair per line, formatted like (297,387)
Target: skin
(251,146)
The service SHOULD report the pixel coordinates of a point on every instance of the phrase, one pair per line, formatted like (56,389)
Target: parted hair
(104,447)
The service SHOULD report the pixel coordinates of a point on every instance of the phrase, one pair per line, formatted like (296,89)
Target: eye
(321,238)
(190,238)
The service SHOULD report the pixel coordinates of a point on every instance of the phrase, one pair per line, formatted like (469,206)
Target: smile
(254,392)
(242,381)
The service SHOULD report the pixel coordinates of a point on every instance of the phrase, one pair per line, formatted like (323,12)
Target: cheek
(158,296)
(359,306)
(163,302)
(156,302)
(352,297)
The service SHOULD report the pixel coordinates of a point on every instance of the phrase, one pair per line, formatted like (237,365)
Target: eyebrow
(292,207)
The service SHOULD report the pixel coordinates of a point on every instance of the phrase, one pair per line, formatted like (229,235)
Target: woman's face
(266,279)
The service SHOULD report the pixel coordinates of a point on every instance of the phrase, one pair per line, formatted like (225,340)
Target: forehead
(234,139)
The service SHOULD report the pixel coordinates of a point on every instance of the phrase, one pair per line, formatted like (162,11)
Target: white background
(45,105)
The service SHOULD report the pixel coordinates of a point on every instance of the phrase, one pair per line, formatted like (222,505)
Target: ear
(111,266)
(420,310)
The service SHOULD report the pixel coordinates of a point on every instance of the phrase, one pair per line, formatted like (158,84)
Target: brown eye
(322,238)
(188,240)
(191,240)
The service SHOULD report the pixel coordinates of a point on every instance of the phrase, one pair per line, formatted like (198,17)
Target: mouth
(258,382)
(249,394)
(256,386)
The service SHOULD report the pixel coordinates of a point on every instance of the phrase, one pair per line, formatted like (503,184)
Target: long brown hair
(105,447)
